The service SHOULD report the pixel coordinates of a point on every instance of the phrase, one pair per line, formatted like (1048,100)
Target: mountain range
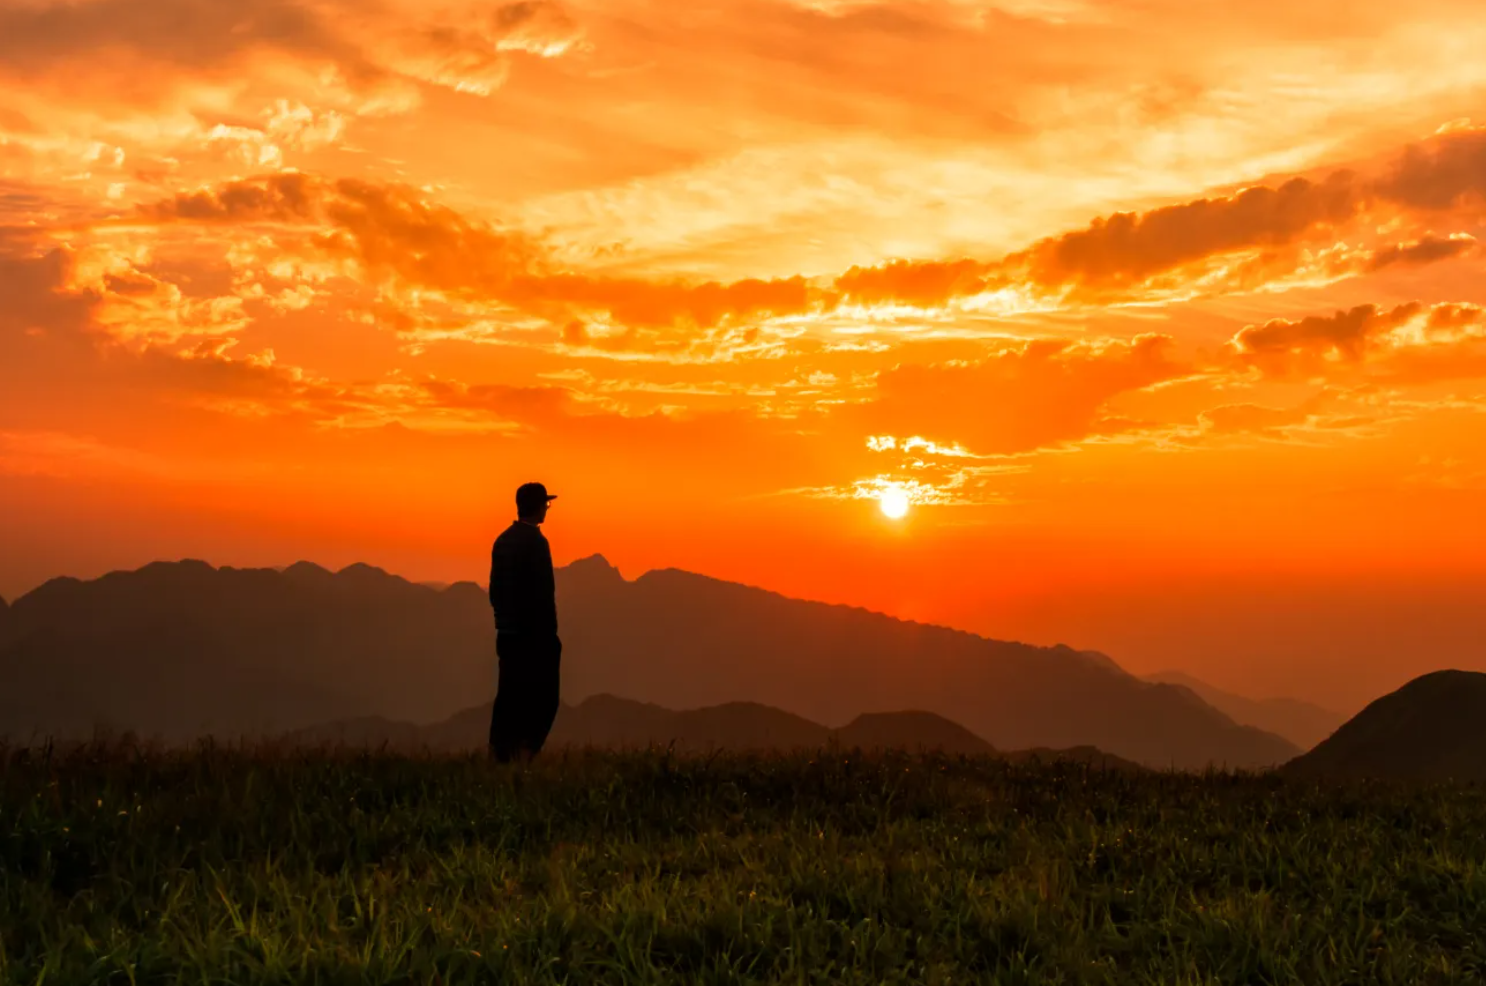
(180,649)
(1302,723)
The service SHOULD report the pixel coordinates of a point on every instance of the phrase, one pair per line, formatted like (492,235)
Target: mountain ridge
(306,645)
(1303,723)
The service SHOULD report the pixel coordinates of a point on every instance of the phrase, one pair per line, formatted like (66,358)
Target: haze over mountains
(181,649)
(1302,723)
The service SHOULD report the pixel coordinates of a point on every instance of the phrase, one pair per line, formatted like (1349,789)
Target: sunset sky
(1167,315)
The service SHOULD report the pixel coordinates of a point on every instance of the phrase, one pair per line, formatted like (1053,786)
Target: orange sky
(1168,315)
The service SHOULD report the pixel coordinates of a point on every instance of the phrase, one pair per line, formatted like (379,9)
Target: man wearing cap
(523,595)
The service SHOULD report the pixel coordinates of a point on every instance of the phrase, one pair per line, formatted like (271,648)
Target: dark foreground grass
(223,866)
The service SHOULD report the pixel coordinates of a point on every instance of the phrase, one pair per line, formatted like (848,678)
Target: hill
(1433,728)
(610,722)
(1302,723)
(182,649)
(607,721)
(909,731)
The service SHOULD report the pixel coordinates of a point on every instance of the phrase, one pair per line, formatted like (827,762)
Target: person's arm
(549,585)
(506,597)
(522,573)
(495,575)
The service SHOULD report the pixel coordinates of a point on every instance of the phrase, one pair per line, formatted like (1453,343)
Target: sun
(894,502)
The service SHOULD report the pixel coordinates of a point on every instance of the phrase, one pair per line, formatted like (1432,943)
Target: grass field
(223,866)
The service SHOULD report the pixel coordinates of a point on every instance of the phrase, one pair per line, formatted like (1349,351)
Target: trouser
(526,697)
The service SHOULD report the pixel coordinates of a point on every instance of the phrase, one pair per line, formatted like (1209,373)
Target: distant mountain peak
(361,570)
(185,565)
(1096,658)
(307,570)
(594,562)
(593,570)
(608,700)
(1303,723)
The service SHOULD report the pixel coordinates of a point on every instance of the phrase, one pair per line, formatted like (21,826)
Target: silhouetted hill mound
(1302,723)
(1433,728)
(910,731)
(610,722)
(602,721)
(180,649)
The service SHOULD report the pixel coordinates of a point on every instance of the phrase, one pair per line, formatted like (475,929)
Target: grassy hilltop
(259,866)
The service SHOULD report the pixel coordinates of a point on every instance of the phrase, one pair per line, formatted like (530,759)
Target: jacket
(523,592)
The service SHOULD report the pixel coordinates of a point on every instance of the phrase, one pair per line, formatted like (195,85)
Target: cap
(531,496)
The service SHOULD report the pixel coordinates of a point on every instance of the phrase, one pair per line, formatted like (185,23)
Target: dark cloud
(125,54)
(1442,343)
(289,197)
(1440,173)
(128,51)
(203,34)
(1428,250)
(927,284)
(1125,249)
(35,297)
(1284,348)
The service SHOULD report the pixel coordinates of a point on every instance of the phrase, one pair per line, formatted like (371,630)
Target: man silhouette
(523,595)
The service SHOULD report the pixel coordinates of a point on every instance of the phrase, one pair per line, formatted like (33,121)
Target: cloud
(290,197)
(1257,236)
(647,304)
(1125,255)
(470,53)
(1426,250)
(1412,343)
(1230,419)
(1043,393)
(201,34)
(1284,348)
(1126,249)
(127,51)
(926,284)
(530,405)
(386,230)
(395,232)
(34,283)
(1440,174)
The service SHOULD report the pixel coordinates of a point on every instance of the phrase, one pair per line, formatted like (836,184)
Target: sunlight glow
(894,502)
